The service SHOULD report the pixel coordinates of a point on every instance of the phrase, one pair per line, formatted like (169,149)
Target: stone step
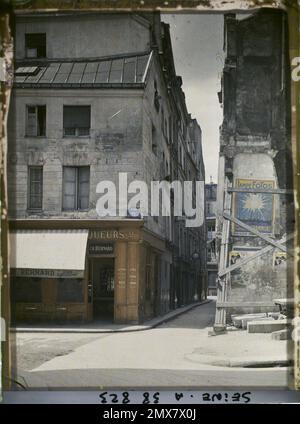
(250,319)
(238,319)
(261,326)
(282,334)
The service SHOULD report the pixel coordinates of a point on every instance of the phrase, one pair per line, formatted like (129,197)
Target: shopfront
(113,256)
(48,280)
(109,273)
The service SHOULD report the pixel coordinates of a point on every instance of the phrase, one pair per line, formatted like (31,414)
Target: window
(35,187)
(154,140)
(170,139)
(27,71)
(162,121)
(211,227)
(77,120)
(36,121)
(26,290)
(210,230)
(70,290)
(35,45)
(179,154)
(76,188)
(156,97)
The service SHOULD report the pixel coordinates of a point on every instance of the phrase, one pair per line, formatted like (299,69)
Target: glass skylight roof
(126,70)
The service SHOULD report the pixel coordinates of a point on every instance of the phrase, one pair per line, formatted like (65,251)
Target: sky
(197,41)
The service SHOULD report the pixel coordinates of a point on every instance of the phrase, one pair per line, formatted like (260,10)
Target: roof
(114,71)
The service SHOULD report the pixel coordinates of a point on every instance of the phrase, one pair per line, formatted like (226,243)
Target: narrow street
(178,353)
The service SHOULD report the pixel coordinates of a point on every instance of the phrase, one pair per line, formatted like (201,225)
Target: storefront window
(26,290)
(69,290)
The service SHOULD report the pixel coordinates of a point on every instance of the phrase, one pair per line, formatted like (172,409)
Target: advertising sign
(254,209)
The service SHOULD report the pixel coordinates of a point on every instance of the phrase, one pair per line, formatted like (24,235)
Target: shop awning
(48,249)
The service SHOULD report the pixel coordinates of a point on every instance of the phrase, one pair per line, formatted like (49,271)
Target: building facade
(103,104)
(255,156)
(210,214)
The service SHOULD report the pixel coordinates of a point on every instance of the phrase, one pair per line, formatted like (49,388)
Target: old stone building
(255,158)
(210,216)
(97,95)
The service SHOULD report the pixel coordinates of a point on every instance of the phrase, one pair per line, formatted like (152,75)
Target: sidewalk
(104,326)
(239,349)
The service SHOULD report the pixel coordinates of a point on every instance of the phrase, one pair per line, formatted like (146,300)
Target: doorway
(103,284)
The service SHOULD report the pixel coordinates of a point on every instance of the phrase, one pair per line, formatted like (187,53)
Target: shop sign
(112,235)
(46,273)
(101,248)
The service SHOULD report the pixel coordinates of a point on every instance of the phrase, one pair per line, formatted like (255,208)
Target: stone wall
(255,148)
(115,34)
(113,145)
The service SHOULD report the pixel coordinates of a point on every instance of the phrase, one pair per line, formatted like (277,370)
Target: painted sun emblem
(253,202)
(254,205)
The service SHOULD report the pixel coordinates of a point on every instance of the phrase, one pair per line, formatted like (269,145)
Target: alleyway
(177,353)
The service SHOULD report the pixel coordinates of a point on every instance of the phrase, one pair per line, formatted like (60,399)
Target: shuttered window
(76,187)
(83,187)
(35,187)
(36,121)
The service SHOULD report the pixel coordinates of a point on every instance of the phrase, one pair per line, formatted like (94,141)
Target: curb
(155,323)
(180,312)
(258,363)
(240,363)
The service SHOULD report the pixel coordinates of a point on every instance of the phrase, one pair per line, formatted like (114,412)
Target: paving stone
(261,326)
(282,334)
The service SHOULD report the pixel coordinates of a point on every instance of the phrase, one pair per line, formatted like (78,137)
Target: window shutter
(31,129)
(35,188)
(84,187)
(69,188)
(41,115)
